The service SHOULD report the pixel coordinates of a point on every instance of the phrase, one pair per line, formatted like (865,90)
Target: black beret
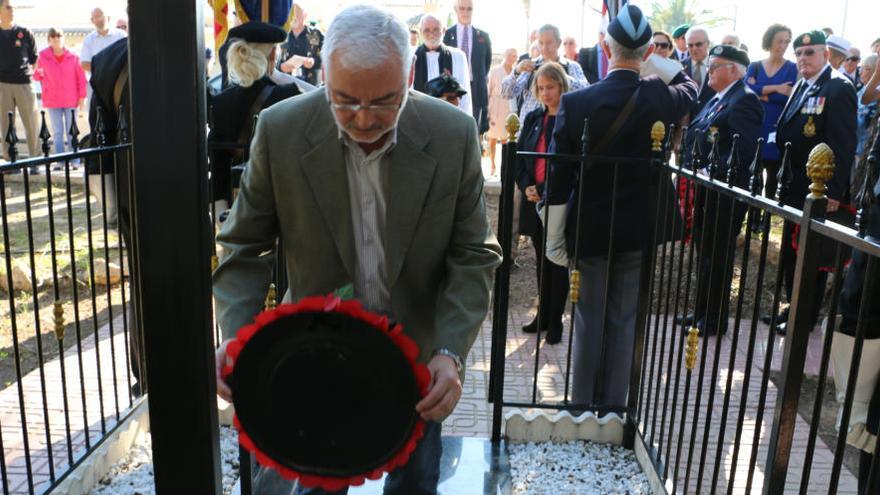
(731,53)
(630,28)
(258,32)
(444,84)
(811,38)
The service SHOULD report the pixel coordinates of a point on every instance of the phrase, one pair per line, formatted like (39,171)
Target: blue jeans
(60,119)
(418,477)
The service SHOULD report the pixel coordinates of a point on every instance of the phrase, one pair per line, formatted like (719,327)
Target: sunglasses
(662,45)
(698,44)
(853,59)
(466,9)
(806,52)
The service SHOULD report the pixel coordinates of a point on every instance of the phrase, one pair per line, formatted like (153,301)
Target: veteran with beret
(821,109)
(734,110)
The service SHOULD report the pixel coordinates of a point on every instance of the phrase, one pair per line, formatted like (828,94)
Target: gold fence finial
(575,285)
(658,133)
(512,126)
(58,313)
(820,169)
(690,353)
(270,297)
(215,262)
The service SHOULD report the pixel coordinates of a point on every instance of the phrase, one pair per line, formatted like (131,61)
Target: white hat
(839,44)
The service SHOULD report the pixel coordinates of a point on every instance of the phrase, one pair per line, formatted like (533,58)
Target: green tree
(672,13)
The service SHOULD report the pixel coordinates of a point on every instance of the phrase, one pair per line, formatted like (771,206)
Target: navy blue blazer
(601,103)
(532,128)
(705,94)
(739,111)
(481,62)
(831,106)
(588,58)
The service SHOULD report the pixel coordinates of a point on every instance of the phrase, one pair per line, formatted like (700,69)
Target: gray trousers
(615,333)
(21,97)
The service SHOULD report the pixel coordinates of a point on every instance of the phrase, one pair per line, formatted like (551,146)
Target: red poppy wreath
(325,392)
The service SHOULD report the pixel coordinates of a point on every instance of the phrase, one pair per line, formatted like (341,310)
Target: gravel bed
(575,468)
(133,475)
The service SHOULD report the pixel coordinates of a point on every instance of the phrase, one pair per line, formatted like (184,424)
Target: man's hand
(444,392)
(526,65)
(532,194)
(309,63)
(221,360)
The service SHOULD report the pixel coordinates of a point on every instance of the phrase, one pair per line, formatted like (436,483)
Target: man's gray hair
(620,52)
(550,28)
(365,37)
(427,17)
(741,69)
(697,30)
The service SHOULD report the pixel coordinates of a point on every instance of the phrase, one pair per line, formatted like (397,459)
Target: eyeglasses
(805,52)
(375,109)
(714,67)
(854,59)
(662,45)
(568,43)
(698,44)
(466,9)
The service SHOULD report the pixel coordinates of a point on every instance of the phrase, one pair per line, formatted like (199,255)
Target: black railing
(695,404)
(66,277)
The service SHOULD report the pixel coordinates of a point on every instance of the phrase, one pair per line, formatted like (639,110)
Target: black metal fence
(69,377)
(747,409)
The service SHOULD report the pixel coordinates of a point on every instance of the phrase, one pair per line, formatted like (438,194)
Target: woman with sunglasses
(663,45)
(772,80)
(63,85)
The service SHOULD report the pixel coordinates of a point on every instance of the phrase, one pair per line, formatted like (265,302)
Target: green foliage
(669,14)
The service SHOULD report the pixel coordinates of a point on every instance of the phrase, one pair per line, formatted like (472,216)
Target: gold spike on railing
(693,344)
(575,285)
(820,169)
(658,133)
(215,261)
(512,126)
(270,297)
(58,313)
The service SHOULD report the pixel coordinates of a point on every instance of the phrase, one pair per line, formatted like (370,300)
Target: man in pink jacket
(64,86)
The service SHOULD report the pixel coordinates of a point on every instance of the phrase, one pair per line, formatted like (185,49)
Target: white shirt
(94,43)
(460,71)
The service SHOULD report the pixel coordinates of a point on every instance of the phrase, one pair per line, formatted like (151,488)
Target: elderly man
(570,49)
(620,109)
(302,50)
(590,60)
(697,66)
(734,110)
(18,54)
(731,39)
(517,85)
(821,109)
(102,37)
(391,205)
(477,46)
(434,58)
(851,68)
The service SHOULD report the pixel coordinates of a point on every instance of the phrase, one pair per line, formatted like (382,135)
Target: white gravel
(575,468)
(133,475)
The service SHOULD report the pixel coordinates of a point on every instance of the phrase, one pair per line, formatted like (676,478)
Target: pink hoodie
(64,82)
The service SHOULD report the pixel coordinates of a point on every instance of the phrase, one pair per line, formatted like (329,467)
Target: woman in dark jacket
(251,58)
(548,85)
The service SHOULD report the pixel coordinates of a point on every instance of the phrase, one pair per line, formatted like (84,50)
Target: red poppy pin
(325,392)
(20,35)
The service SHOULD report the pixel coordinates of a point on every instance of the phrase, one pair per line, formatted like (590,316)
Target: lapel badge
(806,39)
(810,128)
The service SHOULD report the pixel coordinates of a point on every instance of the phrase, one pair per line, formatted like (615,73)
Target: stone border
(91,469)
(644,459)
(540,426)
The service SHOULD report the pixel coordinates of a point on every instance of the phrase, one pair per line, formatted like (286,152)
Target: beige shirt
(367,185)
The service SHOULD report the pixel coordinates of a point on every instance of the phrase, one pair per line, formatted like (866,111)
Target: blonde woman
(251,58)
(548,86)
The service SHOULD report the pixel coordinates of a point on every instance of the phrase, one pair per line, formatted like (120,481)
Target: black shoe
(780,329)
(782,317)
(531,327)
(685,320)
(554,336)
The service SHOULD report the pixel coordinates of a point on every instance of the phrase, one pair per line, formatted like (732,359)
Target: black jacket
(481,62)
(588,58)
(532,128)
(830,106)
(229,114)
(738,112)
(601,103)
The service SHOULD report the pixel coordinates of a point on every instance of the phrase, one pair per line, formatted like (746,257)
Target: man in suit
(477,47)
(696,66)
(734,110)
(434,58)
(589,58)
(621,109)
(380,188)
(678,38)
(821,109)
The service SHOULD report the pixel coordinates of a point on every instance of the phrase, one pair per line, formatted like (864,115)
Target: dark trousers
(770,186)
(419,476)
(552,284)
(716,245)
(788,258)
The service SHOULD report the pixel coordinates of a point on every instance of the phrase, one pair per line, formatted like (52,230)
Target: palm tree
(667,16)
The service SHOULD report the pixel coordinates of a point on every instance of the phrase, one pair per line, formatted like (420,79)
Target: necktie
(466,45)
(796,100)
(698,75)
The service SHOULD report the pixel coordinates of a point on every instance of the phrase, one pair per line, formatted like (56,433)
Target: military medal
(810,128)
